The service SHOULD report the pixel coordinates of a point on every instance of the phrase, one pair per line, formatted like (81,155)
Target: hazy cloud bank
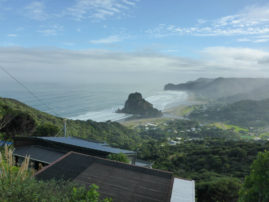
(44,64)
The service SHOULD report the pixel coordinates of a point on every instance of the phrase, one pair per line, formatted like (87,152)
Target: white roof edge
(183,190)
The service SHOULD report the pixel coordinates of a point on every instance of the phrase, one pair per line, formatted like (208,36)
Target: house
(45,150)
(120,181)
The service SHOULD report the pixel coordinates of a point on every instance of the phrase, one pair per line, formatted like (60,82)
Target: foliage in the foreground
(119,157)
(33,190)
(9,173)
(256,185)
(17,184)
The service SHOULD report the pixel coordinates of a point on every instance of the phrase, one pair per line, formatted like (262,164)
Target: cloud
(12,35)
(248,17)
(252,20)
(95,10)
(51,30)
(69,43)
(36,11)
(99,9)
(40,64)
(107,40)
(244,60)
(253,40)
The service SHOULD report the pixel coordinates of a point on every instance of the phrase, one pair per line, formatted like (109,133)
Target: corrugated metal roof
(38,153)
(87,144)
(183,191)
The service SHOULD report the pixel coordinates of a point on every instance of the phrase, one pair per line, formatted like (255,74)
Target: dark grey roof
(87,144)
(120,181)
(38,153)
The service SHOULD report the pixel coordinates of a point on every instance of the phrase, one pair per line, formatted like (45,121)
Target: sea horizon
(84,101)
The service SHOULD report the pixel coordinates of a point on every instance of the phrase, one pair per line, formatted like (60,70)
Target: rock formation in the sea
(138,106)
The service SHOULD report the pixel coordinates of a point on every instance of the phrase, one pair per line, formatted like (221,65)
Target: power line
(59,132)
(61,97)
(36,97)
(28,90)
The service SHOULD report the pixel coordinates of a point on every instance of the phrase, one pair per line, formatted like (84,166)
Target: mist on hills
(225,89)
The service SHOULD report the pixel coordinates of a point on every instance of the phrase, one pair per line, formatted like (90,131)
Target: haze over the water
(141,43)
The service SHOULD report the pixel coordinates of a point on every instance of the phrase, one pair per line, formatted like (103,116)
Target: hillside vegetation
(18,119)
(245,113)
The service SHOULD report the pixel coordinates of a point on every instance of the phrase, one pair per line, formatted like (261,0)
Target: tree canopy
(256,185)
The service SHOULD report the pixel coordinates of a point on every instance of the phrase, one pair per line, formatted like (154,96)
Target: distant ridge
(225,89)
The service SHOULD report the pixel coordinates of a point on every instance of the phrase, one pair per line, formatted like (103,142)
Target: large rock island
(138,106)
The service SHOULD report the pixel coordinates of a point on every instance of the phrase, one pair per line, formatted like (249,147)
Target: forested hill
(17,118)
(225,87)
(256,94)
(247,113)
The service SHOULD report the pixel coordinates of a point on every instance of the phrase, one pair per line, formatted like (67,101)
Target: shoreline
(172,107)
(174,112)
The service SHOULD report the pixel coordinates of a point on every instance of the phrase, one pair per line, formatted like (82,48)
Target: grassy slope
(111,132)
(138,122)
(39,116)
(229,127)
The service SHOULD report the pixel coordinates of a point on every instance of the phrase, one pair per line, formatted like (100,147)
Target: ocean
(95,101)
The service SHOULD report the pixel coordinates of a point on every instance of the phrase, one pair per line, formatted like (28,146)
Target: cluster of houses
(85,162)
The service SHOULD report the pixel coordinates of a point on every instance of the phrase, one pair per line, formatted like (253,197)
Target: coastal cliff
(225,89)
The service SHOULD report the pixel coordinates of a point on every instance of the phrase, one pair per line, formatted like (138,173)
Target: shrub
(46,129)
(119,157)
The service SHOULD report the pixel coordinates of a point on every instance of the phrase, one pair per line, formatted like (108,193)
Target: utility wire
(28,90)
(57,135)
(34,95)
(64,97)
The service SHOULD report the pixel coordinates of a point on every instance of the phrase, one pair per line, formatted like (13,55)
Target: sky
(134,40)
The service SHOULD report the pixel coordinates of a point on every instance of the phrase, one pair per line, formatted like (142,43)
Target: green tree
(17,123)
(119,157)
(218,189)
(256,185)
(46,129)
